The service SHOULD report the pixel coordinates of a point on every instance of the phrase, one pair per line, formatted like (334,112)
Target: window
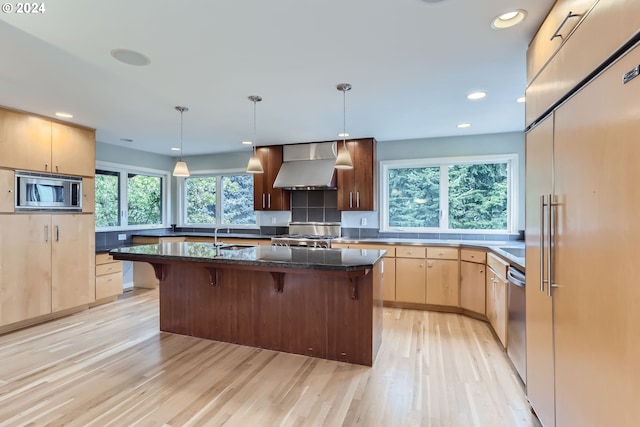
(233,207)
(449,195)
(130,198)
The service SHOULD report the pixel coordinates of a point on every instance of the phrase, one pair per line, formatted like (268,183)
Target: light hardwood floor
(110,366)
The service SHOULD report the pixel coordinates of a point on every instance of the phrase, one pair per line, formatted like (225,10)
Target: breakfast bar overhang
(324,303)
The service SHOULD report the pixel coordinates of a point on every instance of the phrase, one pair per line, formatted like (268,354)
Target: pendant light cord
(344,120)
(181,112)
(255,134)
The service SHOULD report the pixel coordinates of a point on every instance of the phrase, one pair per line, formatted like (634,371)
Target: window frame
(218,173)
(511,159)
(123,170)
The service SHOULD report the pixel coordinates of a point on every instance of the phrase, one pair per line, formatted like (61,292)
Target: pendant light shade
(343,161)
(181,169)
(254,165)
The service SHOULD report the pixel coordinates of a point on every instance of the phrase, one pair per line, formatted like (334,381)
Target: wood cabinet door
(7,191)
(472,287)
(73,261)
(443,282)
(355,186)
(25,267)
(25,141)
(411,280)
(497,305)
(389,279)
(539,311)
(88,195)
(596,313)
(73,150)
(265,197)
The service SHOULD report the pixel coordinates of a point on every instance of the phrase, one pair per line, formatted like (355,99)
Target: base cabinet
(7,191)
(497,304)
(109,281)
(47,264)
(472,287)
(25,267)
(442,282)
(411,280)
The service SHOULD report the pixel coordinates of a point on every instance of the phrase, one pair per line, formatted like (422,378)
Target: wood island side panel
(314,315)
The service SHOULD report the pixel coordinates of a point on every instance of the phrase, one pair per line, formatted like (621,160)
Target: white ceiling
(411,64)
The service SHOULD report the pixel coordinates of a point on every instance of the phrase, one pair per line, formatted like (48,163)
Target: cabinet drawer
(442,253)
(103,258)
(410,251)
(498,265)
(391,250)
(108,285)
(112,267)
(472,255)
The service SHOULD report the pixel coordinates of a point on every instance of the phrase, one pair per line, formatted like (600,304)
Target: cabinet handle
(430,264)
(46,234)
(421,265)
(10,191)
(263,203)
(46,166)
(57,168)
(551,254)
(357,199)
(57,233)
(481,271)
(350,199)
(543,204)
(269,198)
(564,21)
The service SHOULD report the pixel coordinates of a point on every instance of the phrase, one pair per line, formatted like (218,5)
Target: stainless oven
(47,192)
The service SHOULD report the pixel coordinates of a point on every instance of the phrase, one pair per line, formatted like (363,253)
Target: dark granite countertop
(260,256)
(511,251)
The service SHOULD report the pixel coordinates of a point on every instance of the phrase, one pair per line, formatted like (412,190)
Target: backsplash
(372,233)
(314,206)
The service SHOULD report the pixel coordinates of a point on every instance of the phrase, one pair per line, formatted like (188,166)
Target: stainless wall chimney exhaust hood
(307,167)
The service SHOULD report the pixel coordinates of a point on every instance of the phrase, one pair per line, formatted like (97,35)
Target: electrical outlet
(273,220)
(363,221)
(122,237)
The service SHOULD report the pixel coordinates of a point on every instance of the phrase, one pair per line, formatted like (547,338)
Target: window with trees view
(449,195)
(225,199)
(129,198)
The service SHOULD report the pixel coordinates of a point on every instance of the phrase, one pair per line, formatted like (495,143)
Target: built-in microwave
(47,192)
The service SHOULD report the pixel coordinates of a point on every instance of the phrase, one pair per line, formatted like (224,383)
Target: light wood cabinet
(109,282)
(25,267)
(25,141)
(33,143)
(73,261)
(497,297)
(389,266)
(265,197)
(539,305)
(355,186)
(595,255)
(443,282)
(472,286)
(562,19)
(7,191)
(88,195)
(411,280)
(47,264)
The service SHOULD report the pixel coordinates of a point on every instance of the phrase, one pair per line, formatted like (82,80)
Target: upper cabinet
(265,197)
(36,144)
(563,18)
(355,186)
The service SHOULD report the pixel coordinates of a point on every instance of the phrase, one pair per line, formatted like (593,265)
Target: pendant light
(181,168)
(343,161)
(254,165)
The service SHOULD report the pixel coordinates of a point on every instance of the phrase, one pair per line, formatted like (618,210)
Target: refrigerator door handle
(542,214)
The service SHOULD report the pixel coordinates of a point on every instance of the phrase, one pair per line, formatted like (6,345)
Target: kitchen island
(323,303)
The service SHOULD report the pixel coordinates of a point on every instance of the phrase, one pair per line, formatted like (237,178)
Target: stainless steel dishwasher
(516,342)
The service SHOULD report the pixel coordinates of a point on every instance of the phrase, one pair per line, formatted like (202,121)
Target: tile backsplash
(314,206)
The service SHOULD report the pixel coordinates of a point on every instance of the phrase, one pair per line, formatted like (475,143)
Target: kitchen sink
(516,252)
(235,247)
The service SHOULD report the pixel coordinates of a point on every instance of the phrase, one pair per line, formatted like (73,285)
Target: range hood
(307,167)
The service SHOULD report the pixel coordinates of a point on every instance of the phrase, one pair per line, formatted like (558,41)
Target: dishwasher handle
(516,277)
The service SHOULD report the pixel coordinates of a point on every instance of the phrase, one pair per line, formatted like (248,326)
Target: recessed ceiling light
(477,95)
(130,57)
(508,19)
(431,1)
(343,135)
(464,125)
(247,142)
(521,99)
(175,149)
(126,140)
(64,115)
